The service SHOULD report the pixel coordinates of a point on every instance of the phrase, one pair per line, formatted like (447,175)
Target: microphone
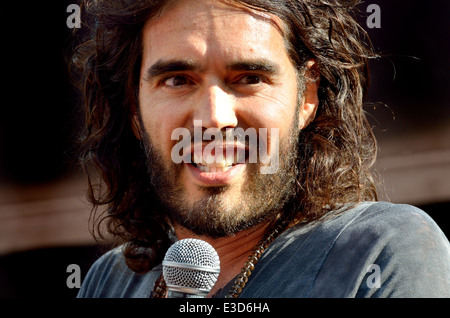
(190,268)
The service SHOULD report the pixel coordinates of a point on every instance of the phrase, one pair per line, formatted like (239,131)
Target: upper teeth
(220,161)
(213,168)
(217,165)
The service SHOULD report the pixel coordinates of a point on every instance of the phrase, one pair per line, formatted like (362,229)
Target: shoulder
(404,243)
(373,249)
(367,223)
(392,219)
(398,213)
(110,277)
(396,225)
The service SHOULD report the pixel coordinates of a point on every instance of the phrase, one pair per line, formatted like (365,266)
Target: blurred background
(43,212)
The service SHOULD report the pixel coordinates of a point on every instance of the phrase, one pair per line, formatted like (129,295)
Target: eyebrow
(263,65)
(162,67)
(169,66)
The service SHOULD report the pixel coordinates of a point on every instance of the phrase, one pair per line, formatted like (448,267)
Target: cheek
(159,125)
(273,119)
(271,111)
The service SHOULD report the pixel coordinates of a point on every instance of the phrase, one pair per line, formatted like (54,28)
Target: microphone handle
(177,294)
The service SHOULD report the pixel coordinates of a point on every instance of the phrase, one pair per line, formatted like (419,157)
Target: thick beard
(262,199)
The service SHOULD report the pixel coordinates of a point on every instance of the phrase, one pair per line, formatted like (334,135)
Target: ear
(135,122)
(310,101)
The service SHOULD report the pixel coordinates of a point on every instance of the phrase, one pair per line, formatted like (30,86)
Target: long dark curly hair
(336,150)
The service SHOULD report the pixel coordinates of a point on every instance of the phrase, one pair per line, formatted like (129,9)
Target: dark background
(39,111)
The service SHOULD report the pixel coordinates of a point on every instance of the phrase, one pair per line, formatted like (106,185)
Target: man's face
(210,63)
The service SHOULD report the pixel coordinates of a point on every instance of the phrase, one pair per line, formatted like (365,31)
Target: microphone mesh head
(191,263)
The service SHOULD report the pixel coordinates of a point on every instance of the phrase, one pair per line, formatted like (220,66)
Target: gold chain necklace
(160,288)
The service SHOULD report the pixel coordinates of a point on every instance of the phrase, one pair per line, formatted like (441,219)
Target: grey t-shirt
(372,250)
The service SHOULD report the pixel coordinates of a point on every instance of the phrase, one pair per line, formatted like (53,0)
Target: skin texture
(226,67)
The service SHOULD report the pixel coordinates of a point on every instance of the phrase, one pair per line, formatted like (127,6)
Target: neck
(232,250)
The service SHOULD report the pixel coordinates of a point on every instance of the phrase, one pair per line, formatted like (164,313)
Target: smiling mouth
(221,163)
(213,168)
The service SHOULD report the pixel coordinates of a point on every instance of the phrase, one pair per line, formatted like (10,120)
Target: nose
(216,109)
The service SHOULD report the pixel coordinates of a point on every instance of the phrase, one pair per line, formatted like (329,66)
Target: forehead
(203,26)
(199,11)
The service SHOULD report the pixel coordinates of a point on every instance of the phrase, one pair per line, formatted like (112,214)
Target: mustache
(234,135)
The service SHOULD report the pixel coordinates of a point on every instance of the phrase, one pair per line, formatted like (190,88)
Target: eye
(251,80)
(175,81)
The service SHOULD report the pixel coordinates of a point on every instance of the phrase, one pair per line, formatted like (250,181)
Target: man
(161,77)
